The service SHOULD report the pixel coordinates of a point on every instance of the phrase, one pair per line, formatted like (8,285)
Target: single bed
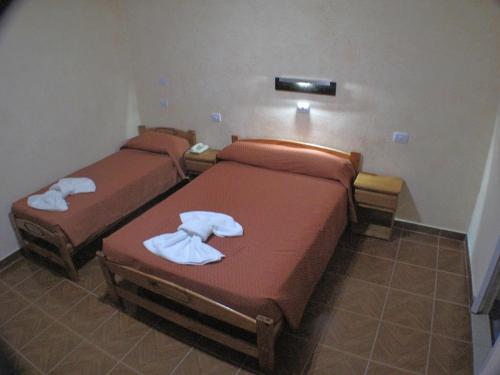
(144,168)
(293,201)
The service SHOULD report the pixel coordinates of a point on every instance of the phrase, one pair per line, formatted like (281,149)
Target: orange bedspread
(125,181)
(291,225)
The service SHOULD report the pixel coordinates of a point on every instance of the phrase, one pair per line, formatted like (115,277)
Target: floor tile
(358,296)
(327,286)
(121,369)
(313,321)
(418,254)
(91,275)
(11,303)
(85,360)
(157,353)
(452,288)
(450,357)
(3,287)
(326,361)
(371,269)
(200,363)
(119,334)
(87,315)
(22,366)
(292,354)
(24,326)
(409,310)
(449,243)
(47,349)
(380,248)
(341,261)
(18,271)
(414,279)
(37,284)
(379,369)
(452,320)
(424,238)
(349,332)
(451,261)
(402,347)
(60,299)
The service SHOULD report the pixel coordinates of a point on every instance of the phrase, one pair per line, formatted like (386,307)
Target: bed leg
(65,251)
(18,234)
(267,331)
(109,277)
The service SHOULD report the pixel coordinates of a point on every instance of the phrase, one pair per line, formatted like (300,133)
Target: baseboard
(9,259)
(417,227)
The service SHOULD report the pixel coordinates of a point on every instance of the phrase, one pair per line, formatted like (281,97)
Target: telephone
(199,148)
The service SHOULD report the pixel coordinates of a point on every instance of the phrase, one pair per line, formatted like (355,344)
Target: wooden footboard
(266,330)
(30,233)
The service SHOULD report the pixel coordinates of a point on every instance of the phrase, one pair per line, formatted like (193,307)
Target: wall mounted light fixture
(303,106)
(321,87)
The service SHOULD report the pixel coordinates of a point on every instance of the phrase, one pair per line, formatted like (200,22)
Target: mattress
(291,225)
(125,181)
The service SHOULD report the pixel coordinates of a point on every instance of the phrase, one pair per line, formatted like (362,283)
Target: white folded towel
(186,247)
(53,199)
(74,185)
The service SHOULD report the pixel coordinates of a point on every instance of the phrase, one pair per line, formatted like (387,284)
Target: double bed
(143,169)
(293,201)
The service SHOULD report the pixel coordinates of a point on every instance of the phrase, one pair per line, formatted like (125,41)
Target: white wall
(484,230)
(427,67)
(65,90)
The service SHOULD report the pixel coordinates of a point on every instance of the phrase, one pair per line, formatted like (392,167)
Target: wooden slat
(185,297)
(197,166)
(377,183)
(45,253)
(370,198)
(191,324)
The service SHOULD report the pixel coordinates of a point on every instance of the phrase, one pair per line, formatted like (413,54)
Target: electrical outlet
(216,117)
(400,137)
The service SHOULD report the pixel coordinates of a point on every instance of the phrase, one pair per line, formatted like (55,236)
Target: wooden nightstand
(377,201)
(199,163)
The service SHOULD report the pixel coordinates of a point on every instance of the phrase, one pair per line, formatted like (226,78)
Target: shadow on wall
(407,207)
(4,7)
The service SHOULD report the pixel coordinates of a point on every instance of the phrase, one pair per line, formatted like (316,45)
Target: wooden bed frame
(51,242)
(264,329)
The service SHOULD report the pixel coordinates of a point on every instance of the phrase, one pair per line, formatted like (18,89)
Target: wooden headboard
(190,135)
(354,157)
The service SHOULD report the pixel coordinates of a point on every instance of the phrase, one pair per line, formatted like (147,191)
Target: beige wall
(427,67)
(65,90)
(484,230)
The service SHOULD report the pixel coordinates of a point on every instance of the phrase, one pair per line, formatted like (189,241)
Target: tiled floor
(397,307)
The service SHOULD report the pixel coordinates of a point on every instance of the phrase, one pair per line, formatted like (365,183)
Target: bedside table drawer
(376,199)
(197,166)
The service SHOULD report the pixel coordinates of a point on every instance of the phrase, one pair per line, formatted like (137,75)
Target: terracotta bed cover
(291,225)
(125,181)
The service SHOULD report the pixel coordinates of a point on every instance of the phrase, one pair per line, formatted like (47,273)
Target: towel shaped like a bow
(53,199)
(186,245)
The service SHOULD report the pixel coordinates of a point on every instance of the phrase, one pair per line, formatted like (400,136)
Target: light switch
(164,103)
(400,137)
